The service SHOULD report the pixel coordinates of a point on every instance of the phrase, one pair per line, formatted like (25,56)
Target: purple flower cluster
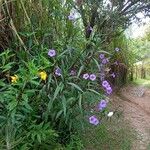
(52,53)
(87,76)
(107,87)
(103,103)
(103,59)
(93,119)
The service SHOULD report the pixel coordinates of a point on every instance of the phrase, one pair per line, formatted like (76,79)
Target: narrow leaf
(75,86)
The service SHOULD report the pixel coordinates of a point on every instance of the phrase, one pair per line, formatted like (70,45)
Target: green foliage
(44,114)
(34,112)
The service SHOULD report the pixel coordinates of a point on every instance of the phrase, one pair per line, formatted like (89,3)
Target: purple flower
(105,61)
(107,86)
(117,49)
(113,75)
(93,120)
(85,76)
(105,83)
(71,17)
(102,105)
(52,53)
(101,56)
(116,62)
(109,90)
(58,72)
(92,77)
(89,28)
(72,72)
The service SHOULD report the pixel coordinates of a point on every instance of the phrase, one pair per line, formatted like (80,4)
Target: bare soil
(135,104)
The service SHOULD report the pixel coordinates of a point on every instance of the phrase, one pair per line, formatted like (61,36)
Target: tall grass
(37,22)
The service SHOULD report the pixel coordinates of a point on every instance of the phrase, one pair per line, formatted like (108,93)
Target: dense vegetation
(59,61)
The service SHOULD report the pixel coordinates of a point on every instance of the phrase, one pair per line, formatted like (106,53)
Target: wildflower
(113,75)
(117,49)
(105,83)
(105,61)
(102,105)
(92,77)
(116,63)
(14,78)
(93,120)
(58,72)
(43,75)
(72,72)
(52,53)
(71,17)
(89,28)
(101,56)
(109,90)
(110,114)
(85,76)
(107,86)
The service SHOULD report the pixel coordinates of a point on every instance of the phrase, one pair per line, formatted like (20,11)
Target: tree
(109,16)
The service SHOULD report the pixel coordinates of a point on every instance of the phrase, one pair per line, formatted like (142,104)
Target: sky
(136,31)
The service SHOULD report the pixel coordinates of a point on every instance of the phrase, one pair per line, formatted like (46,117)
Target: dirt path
(136,109)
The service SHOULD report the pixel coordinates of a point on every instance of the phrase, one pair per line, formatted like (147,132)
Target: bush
(43,100)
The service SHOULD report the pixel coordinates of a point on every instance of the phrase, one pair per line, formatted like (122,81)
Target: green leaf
(25,97)
(97,64)
(59,114)
(2,83)
(7,67)
(39,138)
(12,105)
(58,89)
(101,51)
(62,53)
(75,86)
(93,91)
(34,82)
(64,105)
(80,70)
(50,103)
(80,102)
(26,104)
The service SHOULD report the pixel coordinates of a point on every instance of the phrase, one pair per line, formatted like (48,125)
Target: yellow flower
(43,75)
(14,78)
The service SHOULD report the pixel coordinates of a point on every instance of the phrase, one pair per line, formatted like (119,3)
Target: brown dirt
(135,102)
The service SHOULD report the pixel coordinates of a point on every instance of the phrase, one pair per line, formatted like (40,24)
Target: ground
(136,103)
(129,128)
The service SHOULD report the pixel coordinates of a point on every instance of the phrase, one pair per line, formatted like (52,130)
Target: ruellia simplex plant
(47,97)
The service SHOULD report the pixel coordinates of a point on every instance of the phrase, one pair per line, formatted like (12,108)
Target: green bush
(37,112)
